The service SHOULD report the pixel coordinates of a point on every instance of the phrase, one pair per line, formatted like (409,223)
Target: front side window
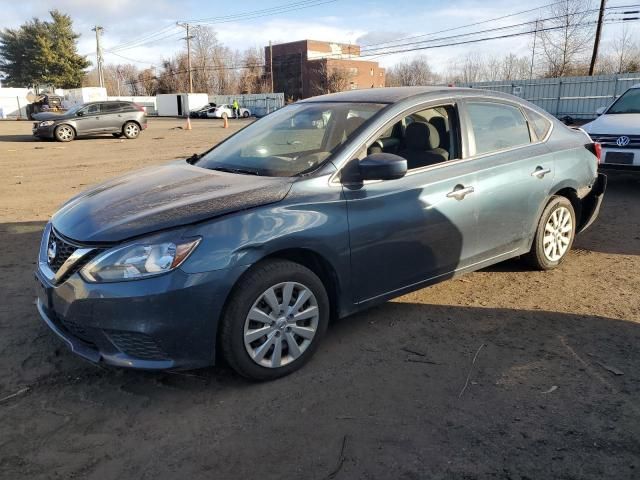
(92,109)
(290,141)
(497,126)
(629,102)
(424,138)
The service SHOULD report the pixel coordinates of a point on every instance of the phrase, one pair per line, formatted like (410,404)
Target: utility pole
(533,52)
(271,64)
(188,39)
(99,59)
(596,42)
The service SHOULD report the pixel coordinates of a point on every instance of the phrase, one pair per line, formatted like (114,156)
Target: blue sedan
(319,210)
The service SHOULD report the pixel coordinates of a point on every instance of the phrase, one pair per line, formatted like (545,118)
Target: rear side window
(540,124)
(111,107)
(496,126)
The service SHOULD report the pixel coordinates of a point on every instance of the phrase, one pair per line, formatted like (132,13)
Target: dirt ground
(554,391)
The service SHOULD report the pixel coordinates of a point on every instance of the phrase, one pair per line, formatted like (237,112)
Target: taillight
(597,150)
(139,107)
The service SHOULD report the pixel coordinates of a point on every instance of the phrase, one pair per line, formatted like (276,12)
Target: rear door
(514,174)
(111,117)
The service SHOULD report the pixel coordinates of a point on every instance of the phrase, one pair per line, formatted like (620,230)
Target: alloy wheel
(558,233)
(281,324)
(64,133)
(131,130)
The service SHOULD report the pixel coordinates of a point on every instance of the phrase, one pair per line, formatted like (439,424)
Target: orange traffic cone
(226,122)
(188,123)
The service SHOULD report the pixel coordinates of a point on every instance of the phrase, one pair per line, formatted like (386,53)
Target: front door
(89,122)
(420,228)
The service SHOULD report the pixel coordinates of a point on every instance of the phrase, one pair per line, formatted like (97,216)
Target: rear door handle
(459,192)
(540,172)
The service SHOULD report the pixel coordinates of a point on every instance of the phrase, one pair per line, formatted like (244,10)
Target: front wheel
(274,320)
(64,133)
(554,235)
(131,130)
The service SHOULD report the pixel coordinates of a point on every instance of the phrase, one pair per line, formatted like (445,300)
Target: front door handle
(540,172)
(459,192)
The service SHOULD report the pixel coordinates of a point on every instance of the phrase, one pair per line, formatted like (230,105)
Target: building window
(372,72)
(353,71)
(380,74)
(353,85)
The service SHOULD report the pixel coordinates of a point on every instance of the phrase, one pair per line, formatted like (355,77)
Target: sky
(151,24)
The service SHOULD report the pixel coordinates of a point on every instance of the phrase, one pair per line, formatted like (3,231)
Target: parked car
(225,110)
(250,248)
(115,117)
(617,129)
(202,112)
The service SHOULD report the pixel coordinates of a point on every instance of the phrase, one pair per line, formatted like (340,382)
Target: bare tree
(514,67)
(327,78)
(252,76)
(412,72)
(565,37)
(625,52)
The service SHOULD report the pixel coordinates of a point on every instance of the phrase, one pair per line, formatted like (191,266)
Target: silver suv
(115,117)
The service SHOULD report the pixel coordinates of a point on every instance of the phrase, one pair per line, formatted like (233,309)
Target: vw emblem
(52,251)
(623,141)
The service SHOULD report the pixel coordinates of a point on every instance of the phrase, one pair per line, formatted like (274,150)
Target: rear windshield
(291,141)
(629,102)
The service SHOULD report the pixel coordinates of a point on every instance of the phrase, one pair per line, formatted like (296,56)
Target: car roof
(396,94)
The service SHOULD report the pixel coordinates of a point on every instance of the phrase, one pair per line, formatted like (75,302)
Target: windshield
(290,141)
(629,102)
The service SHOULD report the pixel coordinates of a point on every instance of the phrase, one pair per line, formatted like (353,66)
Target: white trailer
(180,104)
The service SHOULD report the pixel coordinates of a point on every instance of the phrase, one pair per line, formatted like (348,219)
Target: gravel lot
(554,391)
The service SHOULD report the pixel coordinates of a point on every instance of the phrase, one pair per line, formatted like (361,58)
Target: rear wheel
(131,130)
(554,235)
(274,320)
(64,133)
(245,114)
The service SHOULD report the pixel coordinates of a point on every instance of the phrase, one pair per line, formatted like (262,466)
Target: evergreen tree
(40,52)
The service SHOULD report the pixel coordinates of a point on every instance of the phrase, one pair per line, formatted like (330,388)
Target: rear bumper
(591,203)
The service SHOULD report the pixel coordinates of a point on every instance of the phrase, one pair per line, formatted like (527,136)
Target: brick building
(307,67)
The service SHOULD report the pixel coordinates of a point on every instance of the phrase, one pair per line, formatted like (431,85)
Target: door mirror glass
(382,166)
(601,110)
(80,113)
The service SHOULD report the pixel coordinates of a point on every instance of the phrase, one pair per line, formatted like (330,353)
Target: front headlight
(47,123)
(139,260)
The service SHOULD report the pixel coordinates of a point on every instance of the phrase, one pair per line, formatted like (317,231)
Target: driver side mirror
(601,110)
(382,166)
(80,114)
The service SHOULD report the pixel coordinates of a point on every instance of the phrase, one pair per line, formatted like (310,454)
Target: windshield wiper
(241,171)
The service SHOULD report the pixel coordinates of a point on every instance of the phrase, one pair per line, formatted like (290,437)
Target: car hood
(47,116)
(162,197)
(615,124)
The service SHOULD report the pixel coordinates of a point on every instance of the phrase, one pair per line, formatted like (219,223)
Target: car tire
(131,130)
(554,235)
(261,342)
(64,133)
(245,114)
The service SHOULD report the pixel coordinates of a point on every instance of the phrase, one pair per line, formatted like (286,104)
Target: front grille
(63,250)
(137,345)
(610,141)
